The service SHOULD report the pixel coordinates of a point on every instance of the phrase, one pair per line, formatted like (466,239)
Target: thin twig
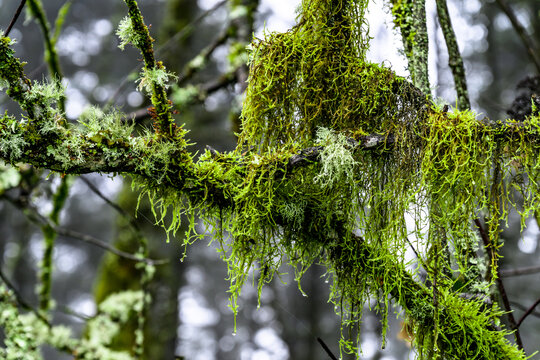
(532,49)
(15,17)
(99,243)
(34,216)
(204,90)
(202,57)
(20,300)
(520,271)
(524,308)
(528,312)
(171,41)
(69,311)
(114,205)
(327,349)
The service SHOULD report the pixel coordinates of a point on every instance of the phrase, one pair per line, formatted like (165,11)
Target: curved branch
(41,220)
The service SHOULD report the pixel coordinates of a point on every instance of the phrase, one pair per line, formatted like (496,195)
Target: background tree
(315,110)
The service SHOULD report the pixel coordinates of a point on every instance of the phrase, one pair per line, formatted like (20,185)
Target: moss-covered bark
(454,57)
(334,153)
(410,18)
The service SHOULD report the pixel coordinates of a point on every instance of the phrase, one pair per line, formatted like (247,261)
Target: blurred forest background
(189,316)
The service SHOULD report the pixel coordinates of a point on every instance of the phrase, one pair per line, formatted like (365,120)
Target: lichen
(150,77)
(127,34)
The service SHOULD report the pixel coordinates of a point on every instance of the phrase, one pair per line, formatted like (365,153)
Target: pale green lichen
(127,34)
(100,126)
(9,177)
(13,146)
(119,305)
(19,341)
(49,93)
(114,311)
(238,11)
(156,76)
(337,159)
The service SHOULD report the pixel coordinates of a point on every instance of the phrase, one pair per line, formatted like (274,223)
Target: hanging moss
(334,154)
(347,210)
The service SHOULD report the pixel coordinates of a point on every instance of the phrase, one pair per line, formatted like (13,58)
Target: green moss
(313,97)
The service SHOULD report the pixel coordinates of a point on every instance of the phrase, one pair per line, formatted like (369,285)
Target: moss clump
(315,76)
(313,87)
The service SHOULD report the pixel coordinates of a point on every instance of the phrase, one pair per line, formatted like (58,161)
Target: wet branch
(34,216)
(15,17)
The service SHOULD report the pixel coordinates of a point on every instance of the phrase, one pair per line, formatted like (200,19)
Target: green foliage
(465,318)
(312,87)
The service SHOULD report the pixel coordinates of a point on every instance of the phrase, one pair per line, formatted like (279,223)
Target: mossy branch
(139,36)
(454,57)
(410,18)
(51,56)
(333,153)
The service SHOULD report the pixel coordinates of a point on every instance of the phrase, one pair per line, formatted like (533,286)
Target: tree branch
(34,216)
(528,312)
(20,300)
(521,271)
(455,61)
(326,349)
(532,49)
(15,17)
(159,95)
(500,286)
(410,17)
